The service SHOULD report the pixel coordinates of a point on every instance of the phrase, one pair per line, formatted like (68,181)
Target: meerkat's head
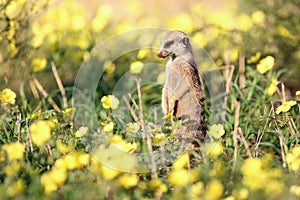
(174,43)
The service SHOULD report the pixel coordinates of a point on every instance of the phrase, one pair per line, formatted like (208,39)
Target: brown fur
(183,90)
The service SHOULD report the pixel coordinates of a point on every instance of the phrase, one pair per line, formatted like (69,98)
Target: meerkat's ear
(185,40)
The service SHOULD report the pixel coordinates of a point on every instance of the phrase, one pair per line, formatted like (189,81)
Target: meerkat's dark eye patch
(168,44)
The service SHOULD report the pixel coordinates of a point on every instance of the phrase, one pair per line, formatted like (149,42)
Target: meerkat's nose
(159,54)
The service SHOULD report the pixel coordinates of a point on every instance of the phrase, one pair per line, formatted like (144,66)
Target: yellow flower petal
(35,115)
(159,137)
(285,106)
(16,188)
(82,131)
(213,149)
(180,177)
(169,115)
(217,131)
(14,150)
(7,96)
(254,59)
(109,173)
(129,180)
(40,132)
(136,67)
(265,64)
(38,64)
(132,127)
(272,88)
(214,190)
(110,101)
(108,127)
(182,161)
(68,111)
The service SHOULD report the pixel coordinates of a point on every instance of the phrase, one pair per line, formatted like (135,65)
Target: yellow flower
(110,101)
(115,139)
(109,67)
(275,188)
(272,87)
(241,194)
(129,147)
(132,127)
(182,161)
(38,64)
(293,159)
(58,175)
(285,106)
(70,162)
(217,170)
(258,17)
(40,132)
(197,189)
(109,173)
(68,111)
(254,59)
(128,180)
(181,21)
(52,179)
(12,168)
(54,119)
(159,137)
(265,64)
(11,50)
(214,190)
(143,53)
(8,96)
(283,31)
(297,92)
(107,126)
(49,186)
(83,159)
(16,188)
(102,18)
(136,67)
(180,177)
(62,147)
(217,131)
(158,185)
(213,149)
(14,8)
(73,161)
(295,189)
(14,150)
(116,158)
(252,167)
(82,131)
(169,115)
(35,115)
(244,22)
(200,39)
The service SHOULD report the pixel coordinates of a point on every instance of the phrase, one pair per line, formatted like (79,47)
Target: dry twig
(45,94)
(235,130)
(145,132)
(60,85)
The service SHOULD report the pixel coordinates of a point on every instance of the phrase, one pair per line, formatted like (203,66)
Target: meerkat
(183,92)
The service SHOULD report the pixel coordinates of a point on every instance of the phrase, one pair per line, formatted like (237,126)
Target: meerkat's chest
(172,69)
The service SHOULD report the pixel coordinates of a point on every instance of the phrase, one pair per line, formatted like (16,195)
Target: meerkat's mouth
(160,54)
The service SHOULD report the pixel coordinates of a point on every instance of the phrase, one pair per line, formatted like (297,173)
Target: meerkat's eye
(168,44)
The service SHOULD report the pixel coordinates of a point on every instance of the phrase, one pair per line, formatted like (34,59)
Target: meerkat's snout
(163,54)
(174,43)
